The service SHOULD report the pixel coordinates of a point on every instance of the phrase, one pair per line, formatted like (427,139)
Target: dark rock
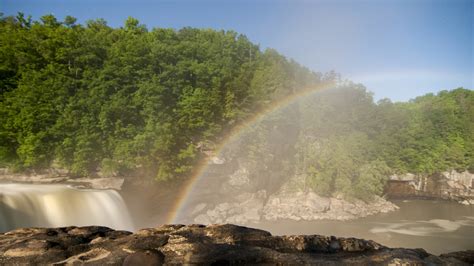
(147,242)
(145,258)
(465,256)
(198,244)
(334,245)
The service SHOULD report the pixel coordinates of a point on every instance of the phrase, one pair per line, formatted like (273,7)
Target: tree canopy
(122,100)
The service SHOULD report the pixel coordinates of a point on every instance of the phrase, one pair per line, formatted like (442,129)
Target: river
(436,226)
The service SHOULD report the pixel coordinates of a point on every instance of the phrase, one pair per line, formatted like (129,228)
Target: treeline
(128,100)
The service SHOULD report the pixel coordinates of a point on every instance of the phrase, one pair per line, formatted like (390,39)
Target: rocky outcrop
(447,186)
(202,245)
(254,207)
(309,206)
(238,205)
(246,208)
(55,177)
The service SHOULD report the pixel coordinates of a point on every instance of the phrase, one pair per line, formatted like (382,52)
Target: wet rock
(202,245)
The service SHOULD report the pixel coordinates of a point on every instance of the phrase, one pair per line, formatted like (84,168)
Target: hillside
(128,99)
(135,101)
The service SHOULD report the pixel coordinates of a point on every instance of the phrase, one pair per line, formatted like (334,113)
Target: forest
(366,142)
(134,101)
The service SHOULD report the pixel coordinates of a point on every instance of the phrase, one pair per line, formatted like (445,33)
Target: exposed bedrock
(202,245)
(240,206)
(457,186)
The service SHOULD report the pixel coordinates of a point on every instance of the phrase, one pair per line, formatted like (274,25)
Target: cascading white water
(27,205)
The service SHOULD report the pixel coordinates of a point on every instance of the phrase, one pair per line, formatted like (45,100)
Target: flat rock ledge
(82,182)
(202,245)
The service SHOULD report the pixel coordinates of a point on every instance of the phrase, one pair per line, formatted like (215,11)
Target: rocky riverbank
(202,245)
(453,185)
(290,202)
(255,207)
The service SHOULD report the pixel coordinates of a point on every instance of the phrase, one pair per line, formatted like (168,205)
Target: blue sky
(397,49)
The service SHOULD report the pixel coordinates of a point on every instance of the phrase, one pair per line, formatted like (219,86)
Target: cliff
(457,186)
(202,245)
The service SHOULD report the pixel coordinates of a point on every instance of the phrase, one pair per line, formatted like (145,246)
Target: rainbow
(233,135)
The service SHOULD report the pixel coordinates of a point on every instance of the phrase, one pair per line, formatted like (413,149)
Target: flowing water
(436,226)
(27,205)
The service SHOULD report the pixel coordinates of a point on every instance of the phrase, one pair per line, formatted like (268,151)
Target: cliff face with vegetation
(132,101)
(339,143)
(203,245)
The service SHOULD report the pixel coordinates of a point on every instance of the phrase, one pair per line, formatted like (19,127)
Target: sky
(397,49)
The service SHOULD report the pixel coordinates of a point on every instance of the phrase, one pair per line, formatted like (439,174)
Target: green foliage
(349,145)
(127,100)
(371,178)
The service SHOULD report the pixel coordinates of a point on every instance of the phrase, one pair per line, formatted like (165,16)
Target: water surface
(436,226)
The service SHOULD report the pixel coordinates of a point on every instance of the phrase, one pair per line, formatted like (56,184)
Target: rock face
(202,245)
(447,186)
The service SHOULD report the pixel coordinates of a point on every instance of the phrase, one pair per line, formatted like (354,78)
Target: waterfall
(28,205)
